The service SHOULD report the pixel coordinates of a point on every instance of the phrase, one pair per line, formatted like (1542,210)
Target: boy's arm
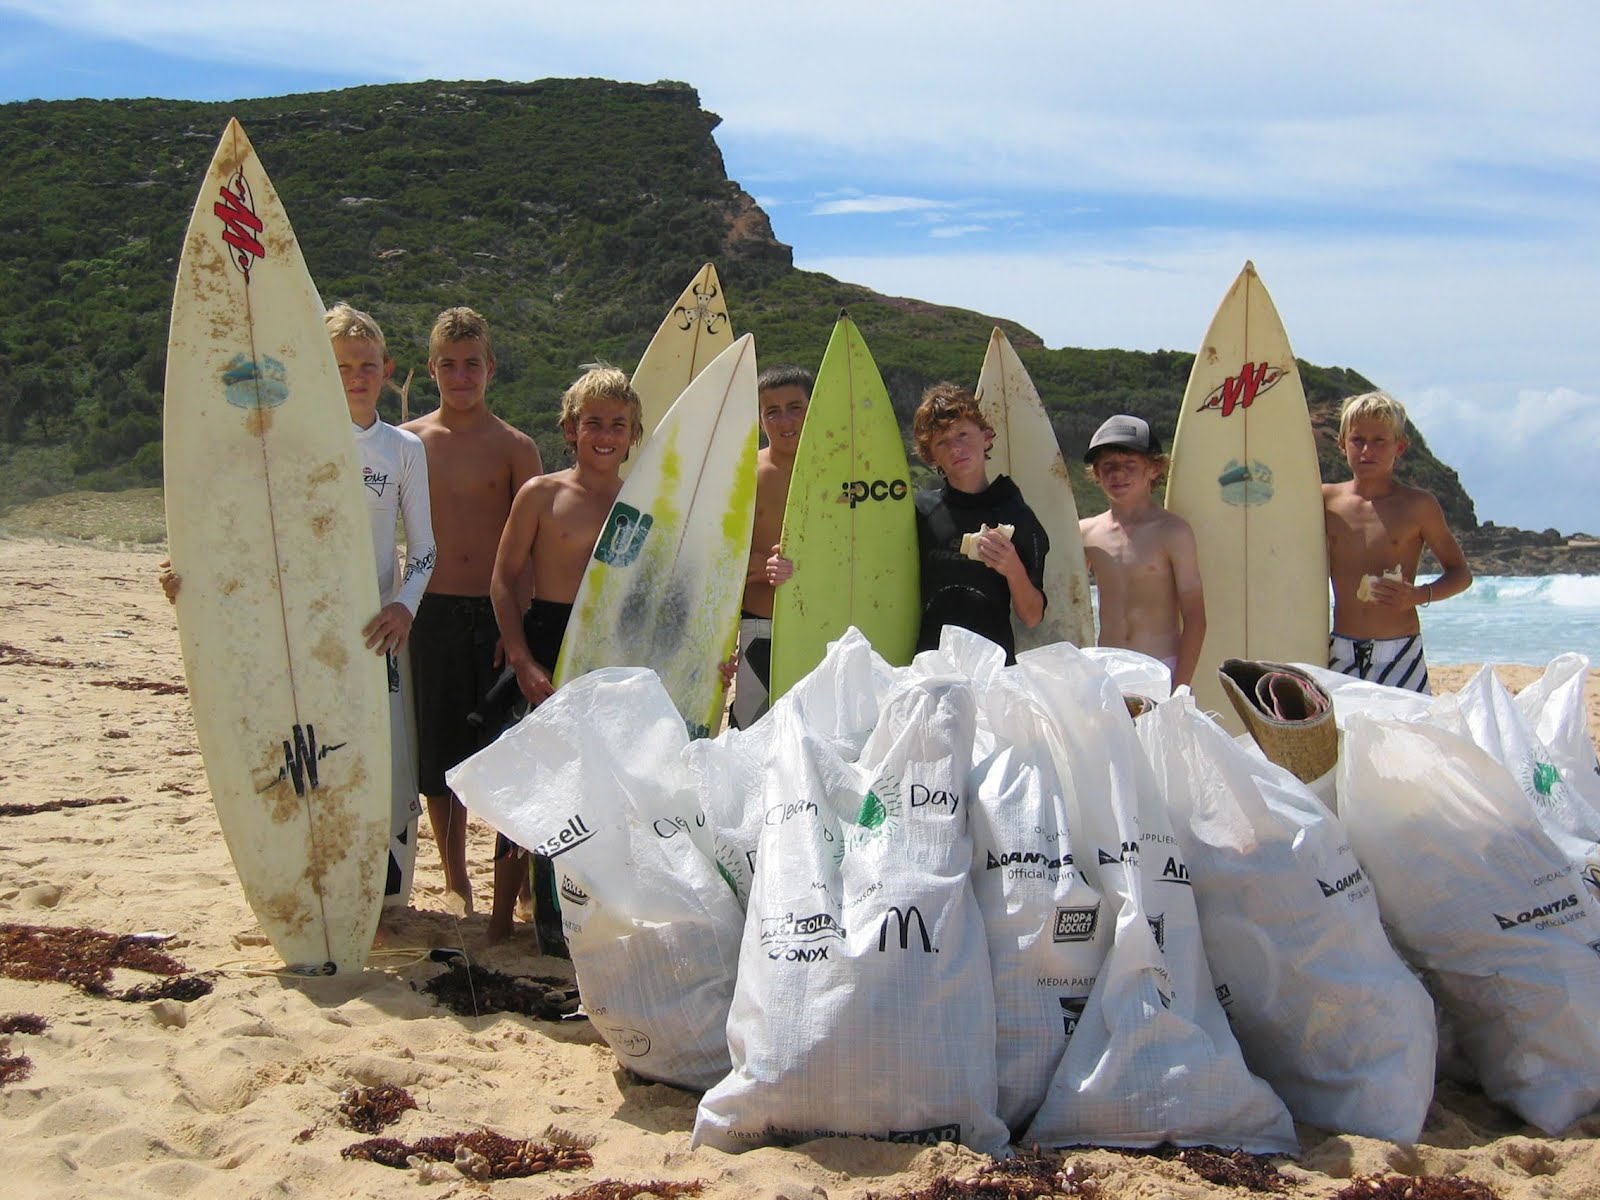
(416,513)
(513,566)
(392,626)
(526,464)
(1191,603)
(1457,575)
(998,552)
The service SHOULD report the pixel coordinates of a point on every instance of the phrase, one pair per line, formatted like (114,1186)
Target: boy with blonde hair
(394,478)
(1003,574)
(476,464)
(551,532)
(1143,557)
(1377,528)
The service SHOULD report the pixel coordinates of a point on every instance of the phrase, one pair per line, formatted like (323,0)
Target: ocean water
(1515,618)
(1511,619)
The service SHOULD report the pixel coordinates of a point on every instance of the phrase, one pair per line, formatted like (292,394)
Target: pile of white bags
(959,898)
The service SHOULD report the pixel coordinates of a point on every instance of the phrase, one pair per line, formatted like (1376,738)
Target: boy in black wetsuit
(554,523)
(997,574)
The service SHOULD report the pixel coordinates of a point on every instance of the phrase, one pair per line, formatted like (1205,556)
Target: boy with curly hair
(982,549)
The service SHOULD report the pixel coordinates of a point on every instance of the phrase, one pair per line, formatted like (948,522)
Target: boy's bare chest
(1373,531)
(468,466)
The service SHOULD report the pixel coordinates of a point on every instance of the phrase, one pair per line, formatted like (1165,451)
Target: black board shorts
(452,668)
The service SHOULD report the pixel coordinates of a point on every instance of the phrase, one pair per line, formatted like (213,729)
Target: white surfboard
(405,809)
(1025,448)
(663,587)
(269,534)
(695,330)
(1245,476)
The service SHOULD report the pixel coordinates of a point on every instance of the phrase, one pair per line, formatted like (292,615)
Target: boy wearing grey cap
(1142,556)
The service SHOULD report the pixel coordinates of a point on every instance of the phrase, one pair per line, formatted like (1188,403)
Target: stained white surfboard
(695,330)
(1245,476)
(1026,449)
(663,586)
(269,534)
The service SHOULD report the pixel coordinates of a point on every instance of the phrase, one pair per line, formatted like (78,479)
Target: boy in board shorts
(1377,528)
(554,523)
(1143,557)
(1004,573)
(476,464)
(784,393)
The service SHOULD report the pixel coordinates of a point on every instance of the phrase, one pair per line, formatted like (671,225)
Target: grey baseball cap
(1123,432)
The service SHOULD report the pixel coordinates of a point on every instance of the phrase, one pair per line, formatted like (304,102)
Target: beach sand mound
(239,1092)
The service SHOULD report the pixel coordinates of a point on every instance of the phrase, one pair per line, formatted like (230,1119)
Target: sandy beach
(238,1092)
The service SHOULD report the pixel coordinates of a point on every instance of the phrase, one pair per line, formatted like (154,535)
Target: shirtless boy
(1007,576)
(476,463)
(554,523)
(1377,528)
(1143,557)
(784,394)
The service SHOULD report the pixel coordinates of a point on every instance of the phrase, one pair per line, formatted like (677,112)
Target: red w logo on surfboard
(240,224)
(1240,391)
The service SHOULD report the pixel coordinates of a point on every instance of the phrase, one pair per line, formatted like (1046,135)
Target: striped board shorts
(1395,662)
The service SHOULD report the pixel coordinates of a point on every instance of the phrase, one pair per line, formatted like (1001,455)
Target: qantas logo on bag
(240,225)
(1539,917)
(1241,390)
(1031,858)
(1342,885)
(1127,853)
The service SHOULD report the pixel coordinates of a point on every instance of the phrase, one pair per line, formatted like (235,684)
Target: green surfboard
(850,524)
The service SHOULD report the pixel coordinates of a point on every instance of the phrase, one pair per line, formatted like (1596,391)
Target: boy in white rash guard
(394,479)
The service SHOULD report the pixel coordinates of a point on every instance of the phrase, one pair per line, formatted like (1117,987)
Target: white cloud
(876,204)
(955,231)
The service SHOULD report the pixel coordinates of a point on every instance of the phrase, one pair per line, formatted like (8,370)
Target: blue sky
(1416,183)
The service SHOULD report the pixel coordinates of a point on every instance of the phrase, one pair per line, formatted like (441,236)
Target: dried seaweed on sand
(1230,1168)
(28,810)
(16,1067)
(1021,1177)
(471,991)
(370,1109)
(502,1157)
(617,1189)
(85,958)
(1415,1187)
(158,686)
